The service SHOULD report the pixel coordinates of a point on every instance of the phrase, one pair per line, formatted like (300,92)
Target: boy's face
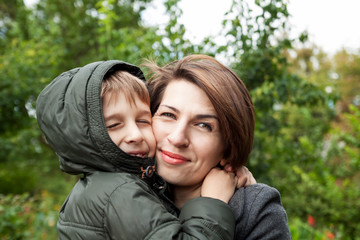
(129,125)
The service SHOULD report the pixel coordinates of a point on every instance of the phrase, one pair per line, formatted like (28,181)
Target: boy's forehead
(119,106)
(115,97)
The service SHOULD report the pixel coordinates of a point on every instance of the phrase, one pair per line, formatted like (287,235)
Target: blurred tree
(122,34)
(347,66)
(37,44)
(258,46)
(171,44)
(13,21)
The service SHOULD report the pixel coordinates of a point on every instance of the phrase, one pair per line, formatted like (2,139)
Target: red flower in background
(329,235)
(311,220)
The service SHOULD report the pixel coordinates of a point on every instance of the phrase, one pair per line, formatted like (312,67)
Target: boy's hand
(219,184)
(245,177)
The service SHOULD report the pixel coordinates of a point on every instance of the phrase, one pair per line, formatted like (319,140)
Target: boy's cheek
(152,143)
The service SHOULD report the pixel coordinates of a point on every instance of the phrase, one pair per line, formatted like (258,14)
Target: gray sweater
(259,213)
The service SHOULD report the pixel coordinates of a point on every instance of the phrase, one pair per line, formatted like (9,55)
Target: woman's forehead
(184,95)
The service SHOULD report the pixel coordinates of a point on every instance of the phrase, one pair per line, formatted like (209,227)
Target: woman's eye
(168,115)
(206,126)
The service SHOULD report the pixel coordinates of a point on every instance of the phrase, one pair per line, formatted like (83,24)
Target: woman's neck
(182,194)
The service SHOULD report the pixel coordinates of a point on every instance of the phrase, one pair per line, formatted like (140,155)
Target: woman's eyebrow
(198,116)
(202,116)
(172,108)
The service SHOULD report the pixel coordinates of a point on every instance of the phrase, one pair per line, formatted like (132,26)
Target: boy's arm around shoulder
(215,214)
(259,213)
(134,211)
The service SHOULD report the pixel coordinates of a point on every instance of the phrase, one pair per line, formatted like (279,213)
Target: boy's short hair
(127,84)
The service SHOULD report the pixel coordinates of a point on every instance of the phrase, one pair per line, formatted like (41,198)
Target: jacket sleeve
(135,212)
(259,214)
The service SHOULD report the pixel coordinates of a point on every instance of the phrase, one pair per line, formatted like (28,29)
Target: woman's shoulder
(261,188)
(258,210)
(261,192)
(253,195)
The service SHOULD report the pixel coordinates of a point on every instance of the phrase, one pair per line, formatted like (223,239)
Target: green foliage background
(307,104)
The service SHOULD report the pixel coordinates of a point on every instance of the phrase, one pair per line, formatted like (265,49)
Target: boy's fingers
(241,172)
(236,179)
(250,179)
(241,181)
(228,168)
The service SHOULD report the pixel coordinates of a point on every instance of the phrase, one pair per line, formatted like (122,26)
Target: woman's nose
(133,134)
(179,137)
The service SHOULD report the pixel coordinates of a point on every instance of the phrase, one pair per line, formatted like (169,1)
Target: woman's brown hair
(226,92)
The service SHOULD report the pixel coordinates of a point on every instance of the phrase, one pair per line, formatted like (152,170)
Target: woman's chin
(166,174)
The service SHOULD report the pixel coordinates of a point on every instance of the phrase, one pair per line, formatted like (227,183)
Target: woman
(203,117)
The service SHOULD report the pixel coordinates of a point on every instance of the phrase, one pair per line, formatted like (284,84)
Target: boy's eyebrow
(113,115)
(145,112)
(198,116)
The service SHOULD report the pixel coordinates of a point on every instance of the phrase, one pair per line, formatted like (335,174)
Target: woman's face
(187,132)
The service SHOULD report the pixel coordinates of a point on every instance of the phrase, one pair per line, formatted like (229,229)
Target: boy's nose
(133,134)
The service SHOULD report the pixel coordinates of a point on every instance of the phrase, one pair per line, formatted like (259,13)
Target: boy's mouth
(138,154)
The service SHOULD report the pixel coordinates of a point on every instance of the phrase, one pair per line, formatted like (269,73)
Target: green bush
(26,217)
(328,201)
(17,180)
(301,230)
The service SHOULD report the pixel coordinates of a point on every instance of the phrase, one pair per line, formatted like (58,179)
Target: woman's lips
(173,158)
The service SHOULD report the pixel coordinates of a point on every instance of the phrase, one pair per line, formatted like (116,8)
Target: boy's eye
(205,126)
(144,121)
(112,125)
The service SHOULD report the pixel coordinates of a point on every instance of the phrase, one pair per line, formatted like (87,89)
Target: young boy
(98,121)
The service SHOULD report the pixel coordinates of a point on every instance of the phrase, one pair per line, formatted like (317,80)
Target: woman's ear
(225,164)
(221,164)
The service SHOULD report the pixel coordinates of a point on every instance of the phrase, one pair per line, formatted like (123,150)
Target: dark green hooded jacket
(111,201)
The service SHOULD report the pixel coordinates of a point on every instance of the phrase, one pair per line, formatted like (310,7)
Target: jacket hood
(69,112)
